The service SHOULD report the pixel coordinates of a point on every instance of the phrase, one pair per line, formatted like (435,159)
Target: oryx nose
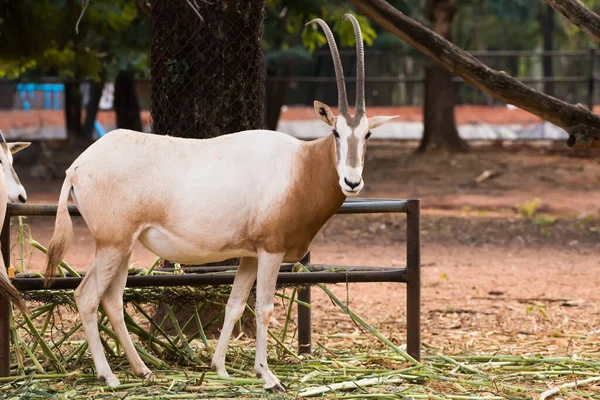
(22,199)
(352,185)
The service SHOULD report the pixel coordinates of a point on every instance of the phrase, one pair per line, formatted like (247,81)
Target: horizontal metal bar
(348,79)
(350,206)
(398,275)
(233,268)
(373,206)
(529,53)
(419,80)
(38,209)
(476,53)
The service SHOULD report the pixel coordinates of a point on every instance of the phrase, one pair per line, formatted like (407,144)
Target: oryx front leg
(87,296)
(268,269)
(236,304)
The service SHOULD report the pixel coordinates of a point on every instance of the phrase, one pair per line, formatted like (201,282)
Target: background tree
(207,77)
(38,39)
(207,74)
(440,131)
(581,124)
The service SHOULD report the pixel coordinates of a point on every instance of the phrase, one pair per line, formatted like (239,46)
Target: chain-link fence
(206,66)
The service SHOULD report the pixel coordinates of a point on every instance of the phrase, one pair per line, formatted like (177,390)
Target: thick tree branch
(582,125)
(579,15)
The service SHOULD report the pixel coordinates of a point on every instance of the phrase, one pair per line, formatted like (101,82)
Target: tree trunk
(126,103)
(546,19)
(207,78)
(440,131)
(73,89)
(91,111)
(73,108)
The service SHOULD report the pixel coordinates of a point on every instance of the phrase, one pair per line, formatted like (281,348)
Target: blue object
(99,128)
(26,92)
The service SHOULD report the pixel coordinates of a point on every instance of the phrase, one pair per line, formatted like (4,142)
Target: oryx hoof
(110,380)
(278,388)
(146,375)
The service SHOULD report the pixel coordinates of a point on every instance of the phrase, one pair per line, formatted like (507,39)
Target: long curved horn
(337,63)
(360,64)
(2,140)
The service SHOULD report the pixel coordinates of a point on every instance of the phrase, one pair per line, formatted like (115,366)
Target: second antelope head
(14,190)
(351,132)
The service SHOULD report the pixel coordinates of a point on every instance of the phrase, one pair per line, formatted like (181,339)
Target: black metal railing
(196,276)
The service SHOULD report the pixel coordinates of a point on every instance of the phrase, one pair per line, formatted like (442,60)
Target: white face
(15,191)
(351,136)
(350,146)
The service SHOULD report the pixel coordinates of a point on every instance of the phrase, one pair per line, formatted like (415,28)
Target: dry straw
(49,358)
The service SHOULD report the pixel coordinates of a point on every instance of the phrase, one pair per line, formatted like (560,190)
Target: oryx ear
(324,113)
(17,146)
(374,122)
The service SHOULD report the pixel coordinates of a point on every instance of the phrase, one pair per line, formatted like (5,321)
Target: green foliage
(537,309)
(544,222)
(514,11)
(346,31)
(286,19)
(14,68)
(37,37)
(312,38)
(513,25)
(389,41)
(297,54)
(529,208)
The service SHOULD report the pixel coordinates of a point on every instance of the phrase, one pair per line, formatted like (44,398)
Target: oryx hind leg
(244,278)
(98,278)
(112,303)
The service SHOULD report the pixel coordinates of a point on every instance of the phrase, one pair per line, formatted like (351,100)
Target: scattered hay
(49,358)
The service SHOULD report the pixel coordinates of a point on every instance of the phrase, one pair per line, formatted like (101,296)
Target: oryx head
(351,131)
(15,191)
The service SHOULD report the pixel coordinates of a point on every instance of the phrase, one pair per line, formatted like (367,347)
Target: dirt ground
(509,264)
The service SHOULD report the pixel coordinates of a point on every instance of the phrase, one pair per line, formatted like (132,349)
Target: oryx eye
(335,133)
(368,135)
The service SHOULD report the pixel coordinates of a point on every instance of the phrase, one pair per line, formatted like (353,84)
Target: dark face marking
(352,158)
(354,121)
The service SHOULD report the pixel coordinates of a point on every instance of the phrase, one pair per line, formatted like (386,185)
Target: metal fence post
(413,287)
(4,302)
(304,318)
(592,80)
